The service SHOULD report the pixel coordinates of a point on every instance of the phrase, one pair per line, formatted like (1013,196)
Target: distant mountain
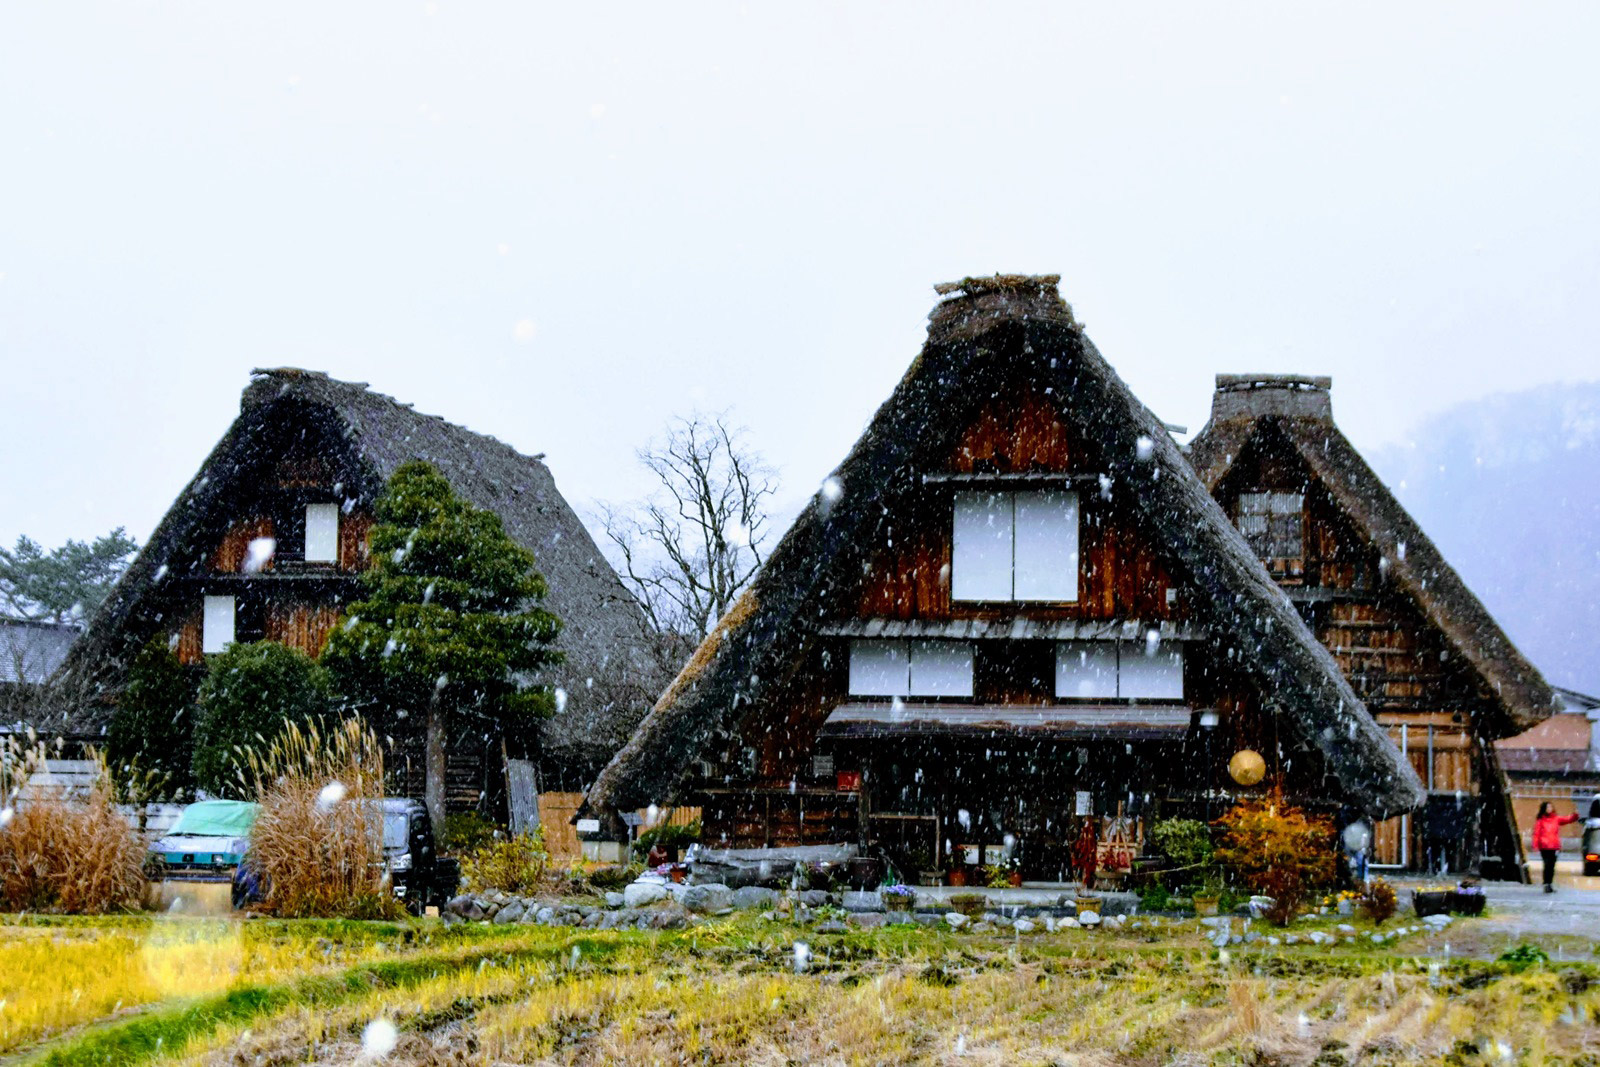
(1508,487)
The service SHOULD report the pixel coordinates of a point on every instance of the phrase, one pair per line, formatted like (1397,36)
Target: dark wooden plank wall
(301,625)
(1120,575)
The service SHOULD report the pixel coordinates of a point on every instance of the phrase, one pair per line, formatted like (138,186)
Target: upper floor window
(1272,523)
(1015,546)
(216,624)
(1110,670)
(880,668)
(322,533)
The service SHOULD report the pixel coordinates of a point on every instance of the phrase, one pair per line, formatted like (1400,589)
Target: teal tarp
(216,818)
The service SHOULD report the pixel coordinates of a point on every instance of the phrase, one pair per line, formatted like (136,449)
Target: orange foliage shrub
(1276,849)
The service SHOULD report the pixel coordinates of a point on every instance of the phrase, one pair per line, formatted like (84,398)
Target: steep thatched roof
(604,636)
(988,331)
(1248,407)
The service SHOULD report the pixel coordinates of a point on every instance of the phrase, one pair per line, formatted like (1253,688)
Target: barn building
(1419,649)
(301,466)
(1012,612)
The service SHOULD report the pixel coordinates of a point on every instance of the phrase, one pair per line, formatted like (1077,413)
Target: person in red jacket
(1547,839)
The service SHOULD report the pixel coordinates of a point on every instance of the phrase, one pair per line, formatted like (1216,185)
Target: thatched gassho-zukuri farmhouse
(1010,611)
(1419,648)
(302,464)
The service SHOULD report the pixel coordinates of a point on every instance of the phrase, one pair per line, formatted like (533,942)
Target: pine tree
(450,625)
(151,735)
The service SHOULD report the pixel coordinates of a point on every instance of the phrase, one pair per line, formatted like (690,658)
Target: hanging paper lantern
(1247,767)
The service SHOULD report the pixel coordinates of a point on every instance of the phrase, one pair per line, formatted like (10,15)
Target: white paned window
(1151,673)
(1046,555)
(1086,670)
(941,669)
(1272,523)
(322,533)
(216,631)
(1015,546)
(981,550)
(879,669)
(884,668)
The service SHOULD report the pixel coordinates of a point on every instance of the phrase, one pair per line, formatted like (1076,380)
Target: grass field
(738,991)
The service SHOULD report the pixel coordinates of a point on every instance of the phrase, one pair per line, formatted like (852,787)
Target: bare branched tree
(690,548)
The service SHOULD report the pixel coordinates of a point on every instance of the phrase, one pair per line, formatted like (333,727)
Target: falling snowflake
(1144,449)
(331,795)
(259,554)
(379,1038)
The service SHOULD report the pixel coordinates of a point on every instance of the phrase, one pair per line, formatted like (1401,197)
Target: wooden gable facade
(1415,645)
(1011,622)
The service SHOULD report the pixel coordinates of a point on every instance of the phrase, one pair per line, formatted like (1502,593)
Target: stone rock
(638,894)
(456,904)
(862,901)
(814,898)
(450,918)
(956,919)
(1089,918)
(615,900)
(868,919)
(508,913)
(751,897)
(544,915)
(1069,923)
(1345,928)
(1436,922)
(710,899)
(471,910)
(982,926)
(899,918)
(1024,926)
(832,926)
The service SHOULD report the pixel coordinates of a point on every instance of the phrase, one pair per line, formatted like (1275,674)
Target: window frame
(208,646)
(1133,652)
(907,653)
(322,507)
(975,579)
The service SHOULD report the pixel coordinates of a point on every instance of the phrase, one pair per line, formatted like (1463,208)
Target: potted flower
(897,897)
(1086,903)
(957,874)
(1466,898)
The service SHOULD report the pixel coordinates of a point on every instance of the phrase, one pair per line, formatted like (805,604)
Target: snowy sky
(562,224)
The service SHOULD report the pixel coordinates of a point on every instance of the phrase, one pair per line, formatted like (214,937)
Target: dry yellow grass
(53,978)
(642,1006)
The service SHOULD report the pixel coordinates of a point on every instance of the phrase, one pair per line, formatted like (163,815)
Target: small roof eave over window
(1020,629)
(1121,722)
